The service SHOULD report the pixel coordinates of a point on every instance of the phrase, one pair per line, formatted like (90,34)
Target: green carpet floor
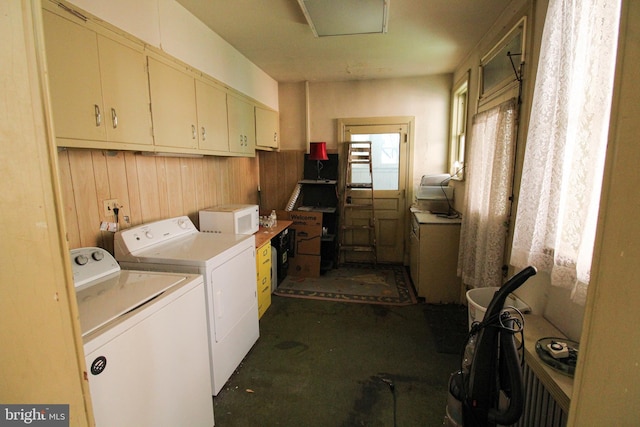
(323,363)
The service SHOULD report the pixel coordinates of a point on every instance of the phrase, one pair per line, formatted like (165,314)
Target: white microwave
(230,219)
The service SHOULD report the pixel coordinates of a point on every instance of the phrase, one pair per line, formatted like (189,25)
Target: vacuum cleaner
(488,389)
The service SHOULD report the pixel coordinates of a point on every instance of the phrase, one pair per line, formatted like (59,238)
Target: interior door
(389,155)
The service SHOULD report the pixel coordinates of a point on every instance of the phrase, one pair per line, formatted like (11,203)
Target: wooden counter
(266,234)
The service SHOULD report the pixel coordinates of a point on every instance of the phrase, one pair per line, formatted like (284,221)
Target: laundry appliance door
(233,302)
(151,367)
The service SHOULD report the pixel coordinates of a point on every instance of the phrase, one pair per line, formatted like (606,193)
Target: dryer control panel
(143,236)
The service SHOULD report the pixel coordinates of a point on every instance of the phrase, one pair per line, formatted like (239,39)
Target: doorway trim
(409,122)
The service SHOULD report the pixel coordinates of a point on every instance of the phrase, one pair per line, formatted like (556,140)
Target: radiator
(540,408)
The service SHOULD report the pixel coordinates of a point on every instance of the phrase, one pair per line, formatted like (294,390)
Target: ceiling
(424,37)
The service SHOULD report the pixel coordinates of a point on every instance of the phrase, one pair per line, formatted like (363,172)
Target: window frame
(458,128)
(496,57)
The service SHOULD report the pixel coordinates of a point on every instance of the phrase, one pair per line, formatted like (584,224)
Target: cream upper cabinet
(99,90)
(125,91)
(242,131)
(173,106)
(109,91)
(267,129)
(211,104)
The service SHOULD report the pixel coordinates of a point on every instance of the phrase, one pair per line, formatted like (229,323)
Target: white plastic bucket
(478,300)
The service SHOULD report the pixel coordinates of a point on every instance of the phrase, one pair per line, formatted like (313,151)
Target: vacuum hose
(513,374)
(495,365)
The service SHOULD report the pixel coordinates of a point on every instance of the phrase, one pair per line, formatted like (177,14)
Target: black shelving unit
(321,195)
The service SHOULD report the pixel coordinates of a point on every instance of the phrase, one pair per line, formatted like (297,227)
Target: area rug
(359,283)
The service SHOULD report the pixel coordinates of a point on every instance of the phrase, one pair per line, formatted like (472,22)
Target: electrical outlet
(108,206)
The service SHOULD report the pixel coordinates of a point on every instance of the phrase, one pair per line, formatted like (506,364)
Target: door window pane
(385,153)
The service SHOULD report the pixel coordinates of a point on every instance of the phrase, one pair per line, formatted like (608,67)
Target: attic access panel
(346,17)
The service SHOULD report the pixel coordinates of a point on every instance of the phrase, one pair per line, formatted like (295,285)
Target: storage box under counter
(434,244)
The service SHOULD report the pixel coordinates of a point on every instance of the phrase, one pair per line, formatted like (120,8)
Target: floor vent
(541,409)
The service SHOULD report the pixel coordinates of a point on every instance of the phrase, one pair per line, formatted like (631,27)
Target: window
(487,205)
(458,128)
(566,143)
(385,148)
(498,68)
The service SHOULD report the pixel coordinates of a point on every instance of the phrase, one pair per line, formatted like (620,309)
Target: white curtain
(562,173)
(489,173)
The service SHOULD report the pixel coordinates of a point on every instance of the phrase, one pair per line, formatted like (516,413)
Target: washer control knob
(182,223)
(81,259)
(149,235)
(97,256)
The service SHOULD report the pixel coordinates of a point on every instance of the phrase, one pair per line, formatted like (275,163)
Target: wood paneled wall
(147,188)
(279,174)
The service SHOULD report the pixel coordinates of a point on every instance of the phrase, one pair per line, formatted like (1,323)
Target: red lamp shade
(318,151)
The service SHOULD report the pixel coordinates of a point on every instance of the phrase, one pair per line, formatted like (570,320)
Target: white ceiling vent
(346,17)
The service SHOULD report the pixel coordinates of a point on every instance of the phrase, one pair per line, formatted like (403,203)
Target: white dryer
(144,337)
(228,264)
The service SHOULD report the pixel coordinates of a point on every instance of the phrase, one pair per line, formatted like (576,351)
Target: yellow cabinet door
(74,79)
(267,128)
(242,132)
(212,117)
(173,106)
(263,269)
(438,281)
(414,258)
(264,260)
(99,87)
(125,91)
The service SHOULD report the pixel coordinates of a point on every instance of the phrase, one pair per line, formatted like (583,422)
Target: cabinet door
(173,106)
(439,283)
(414,260)
(267,128)
(74,79)
(242,133)
(211,103)
(125,91)
(263,268)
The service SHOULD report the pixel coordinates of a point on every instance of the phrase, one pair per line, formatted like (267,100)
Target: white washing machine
(228,264)
(144,338)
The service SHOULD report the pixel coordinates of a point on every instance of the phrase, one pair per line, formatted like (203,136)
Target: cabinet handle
(114,118)
(275,137)
(194,135)
(98,115)
(204,134)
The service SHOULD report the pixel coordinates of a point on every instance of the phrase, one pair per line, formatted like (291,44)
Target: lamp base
(319,167)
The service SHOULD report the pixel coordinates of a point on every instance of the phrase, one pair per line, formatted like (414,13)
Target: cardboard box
(306,236)
(302,218)
(304,266)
